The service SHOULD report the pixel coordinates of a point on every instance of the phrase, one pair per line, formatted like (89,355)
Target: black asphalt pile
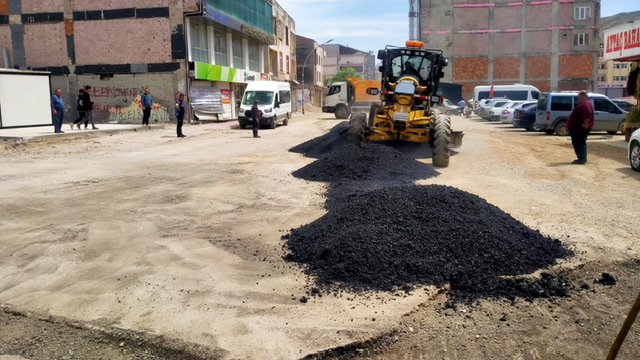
(355,169)
(323,145)
(397,238)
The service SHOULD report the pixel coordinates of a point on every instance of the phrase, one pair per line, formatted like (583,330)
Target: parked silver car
(554,109)
(634,150)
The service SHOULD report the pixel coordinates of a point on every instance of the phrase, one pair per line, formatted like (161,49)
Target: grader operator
(406,112)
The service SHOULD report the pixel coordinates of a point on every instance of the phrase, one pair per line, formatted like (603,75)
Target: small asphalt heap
(383,233)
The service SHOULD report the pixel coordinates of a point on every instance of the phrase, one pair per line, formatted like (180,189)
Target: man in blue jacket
(57,106)
(147,102)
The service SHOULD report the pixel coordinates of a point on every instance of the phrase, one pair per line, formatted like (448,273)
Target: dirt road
(164,248)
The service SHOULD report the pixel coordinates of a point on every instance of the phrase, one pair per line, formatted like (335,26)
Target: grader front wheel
(441,140)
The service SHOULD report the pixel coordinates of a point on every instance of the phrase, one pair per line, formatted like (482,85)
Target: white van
(274,100)
(515,92)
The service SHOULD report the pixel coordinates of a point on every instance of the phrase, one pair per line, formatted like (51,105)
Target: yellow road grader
(406,111)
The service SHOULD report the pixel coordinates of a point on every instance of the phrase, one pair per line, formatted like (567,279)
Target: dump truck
(407,95)
(346,97)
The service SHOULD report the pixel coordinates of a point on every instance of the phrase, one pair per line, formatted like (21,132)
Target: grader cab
(406,112)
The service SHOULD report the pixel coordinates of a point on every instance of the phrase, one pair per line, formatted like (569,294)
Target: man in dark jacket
(579,124)
(87,104)
(255,116)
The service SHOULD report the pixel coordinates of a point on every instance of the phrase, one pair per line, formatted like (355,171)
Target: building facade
(551,44)
(117,47)
(340,57)
(231,43)
(310,72)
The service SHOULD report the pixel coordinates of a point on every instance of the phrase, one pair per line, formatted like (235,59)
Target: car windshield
(263,97)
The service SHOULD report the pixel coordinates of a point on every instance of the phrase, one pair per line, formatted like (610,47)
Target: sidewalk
(36,133)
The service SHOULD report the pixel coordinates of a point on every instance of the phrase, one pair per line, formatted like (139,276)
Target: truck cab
(346,97)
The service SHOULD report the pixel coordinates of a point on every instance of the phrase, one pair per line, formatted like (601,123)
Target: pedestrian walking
(80,108)
(579,124)
(256,114)
(461,105)
(179,111)
(147,102)
(57,107)
(88,108)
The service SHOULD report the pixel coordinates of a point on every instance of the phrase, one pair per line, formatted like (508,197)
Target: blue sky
(369,25)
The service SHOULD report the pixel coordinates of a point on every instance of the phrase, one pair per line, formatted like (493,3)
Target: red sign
(226,96)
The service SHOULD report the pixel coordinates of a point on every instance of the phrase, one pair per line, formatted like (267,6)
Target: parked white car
(634,150)
(506,117)
(492,111)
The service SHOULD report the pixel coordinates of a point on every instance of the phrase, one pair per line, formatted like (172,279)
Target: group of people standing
(85,110)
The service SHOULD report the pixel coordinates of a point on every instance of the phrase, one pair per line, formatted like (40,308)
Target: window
(580,39)
(604,105)
(199,43)
(581,13)
(254,57)
(238,53)
(287,64)
(284,96)
(562,103)
(620,65)
(220,47)
(286,36)
(602,78)
(281,68)
(603,66)
(258,13)
(619,78)
(335,89)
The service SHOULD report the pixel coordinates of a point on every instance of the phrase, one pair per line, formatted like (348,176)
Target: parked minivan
(515,92)
(554,108)
(274,100)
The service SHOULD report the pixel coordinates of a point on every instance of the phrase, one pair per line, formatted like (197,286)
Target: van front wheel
(274,122)
(286,120)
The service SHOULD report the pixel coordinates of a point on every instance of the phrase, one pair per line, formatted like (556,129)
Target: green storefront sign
(223,73)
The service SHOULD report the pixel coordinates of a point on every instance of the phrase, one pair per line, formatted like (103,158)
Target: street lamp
(304,65)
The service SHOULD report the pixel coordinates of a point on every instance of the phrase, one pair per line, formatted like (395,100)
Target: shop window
(199,42)
(254,57)
(238,52)
(220,47)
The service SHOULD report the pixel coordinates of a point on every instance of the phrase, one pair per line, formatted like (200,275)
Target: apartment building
(231,43)
(551,44)
(340,56)
(117,47)
(310,71)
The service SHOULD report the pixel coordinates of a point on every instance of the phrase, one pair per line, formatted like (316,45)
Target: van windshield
(263,97)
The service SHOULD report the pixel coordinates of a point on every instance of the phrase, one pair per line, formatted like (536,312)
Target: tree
(342,74)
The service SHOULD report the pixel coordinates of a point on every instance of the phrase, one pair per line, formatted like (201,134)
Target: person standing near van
(179,111)
(255,116)
(579,125)
(147,102)
(57,107)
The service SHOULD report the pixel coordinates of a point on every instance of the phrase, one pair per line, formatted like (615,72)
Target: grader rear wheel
(441,140)
(356,126)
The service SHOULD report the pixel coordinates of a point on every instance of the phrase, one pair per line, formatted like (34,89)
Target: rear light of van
(548,116)
(505,112)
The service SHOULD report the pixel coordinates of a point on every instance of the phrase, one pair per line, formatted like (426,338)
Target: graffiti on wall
(133,112)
